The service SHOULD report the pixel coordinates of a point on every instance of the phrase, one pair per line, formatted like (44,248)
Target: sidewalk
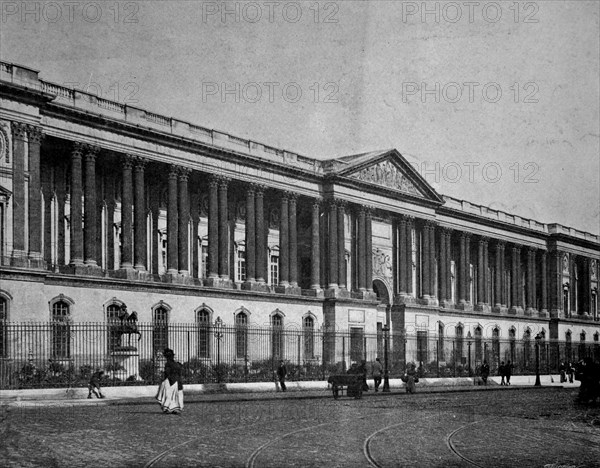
(256,391)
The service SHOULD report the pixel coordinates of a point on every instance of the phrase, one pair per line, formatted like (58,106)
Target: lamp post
(469,342)
(538,338)
(386,376)
(218,336)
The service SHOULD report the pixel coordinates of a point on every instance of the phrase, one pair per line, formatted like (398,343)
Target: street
(516,427)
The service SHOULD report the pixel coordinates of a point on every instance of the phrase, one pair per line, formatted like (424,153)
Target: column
(586,289)
(409,259)
(514,279)
(262,271)
(341,245)
(183,207)
(425,261)
(110,224)
(448,240)
(333,245)
(443,259)
(172,223)
(213,227)
(76,209)
(99,209)
(293,238)
(462,270)
(126,214)
(90,198)
(530,272)
(555,284)
(486,272)
(403,256)
(19,132)
(155,210)
(61,191)
(361,250)
(47,190)
(369,250)
(544,284)
(480,274)
(432,291)
(498,293)
(35,198)
(139,229)
(315,276)
(250,227)
(520,284)
(195,219)
(284,239)
(223,230)
(468,278)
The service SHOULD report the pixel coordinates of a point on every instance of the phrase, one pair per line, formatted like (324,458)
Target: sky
(497,103)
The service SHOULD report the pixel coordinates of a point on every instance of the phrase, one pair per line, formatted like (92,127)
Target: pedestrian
(485,372)
(502,372)
(170,391)
(570,371)
(563,373)
(508,371)
(281,373)
(377,371)
(94,384)
(411,379)
(363,371)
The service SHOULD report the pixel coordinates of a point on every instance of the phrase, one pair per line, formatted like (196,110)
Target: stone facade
(105,203)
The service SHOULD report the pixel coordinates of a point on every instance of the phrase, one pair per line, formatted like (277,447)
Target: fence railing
(57,354)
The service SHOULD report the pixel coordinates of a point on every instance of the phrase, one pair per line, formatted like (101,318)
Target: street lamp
(469,342)
(218,336)
(386,375)
(538,338)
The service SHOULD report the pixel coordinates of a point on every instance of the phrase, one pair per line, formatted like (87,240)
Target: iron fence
(59,354)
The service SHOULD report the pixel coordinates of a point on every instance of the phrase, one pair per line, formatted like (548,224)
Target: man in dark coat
(485,372)
(281,373)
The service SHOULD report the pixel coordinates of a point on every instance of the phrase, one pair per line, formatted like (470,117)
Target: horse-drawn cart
(351,382)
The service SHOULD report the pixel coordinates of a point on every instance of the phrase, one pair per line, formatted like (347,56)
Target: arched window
(496,346)
(440,347)
(512,342)
(112,318)
(277,336)
(582,348)
(478,346)
(308,326)
(241,335)
(61,330)
(459,332)
(3,326)
(527,349)
(203,322)
(160,329)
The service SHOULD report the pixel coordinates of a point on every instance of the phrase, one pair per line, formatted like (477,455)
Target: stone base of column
(337,293)
(586,316)
(19,259)
(499,309)
(543,313)
(556,313)
(515,311)
(464,305)
(314,292)
(483,308)
(428,300)
(288,289)
(529,312)
(82,270)
(178,278)
(214,282)
(404,298)
(369,296)
(447,304)
(36,261)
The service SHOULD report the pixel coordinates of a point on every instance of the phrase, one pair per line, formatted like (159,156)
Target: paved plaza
(504,427)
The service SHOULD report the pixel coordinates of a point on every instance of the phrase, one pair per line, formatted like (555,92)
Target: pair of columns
(29,254)
(256,238)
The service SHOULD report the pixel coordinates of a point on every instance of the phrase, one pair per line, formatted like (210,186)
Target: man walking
(377,370)
(281,373)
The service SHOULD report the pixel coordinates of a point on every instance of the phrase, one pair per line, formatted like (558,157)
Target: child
(95,384)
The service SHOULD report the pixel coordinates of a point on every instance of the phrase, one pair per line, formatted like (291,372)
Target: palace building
(104,204)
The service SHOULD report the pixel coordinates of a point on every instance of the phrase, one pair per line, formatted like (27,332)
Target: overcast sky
(495,102)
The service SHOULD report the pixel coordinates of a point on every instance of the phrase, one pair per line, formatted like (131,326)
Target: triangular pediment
(385,169)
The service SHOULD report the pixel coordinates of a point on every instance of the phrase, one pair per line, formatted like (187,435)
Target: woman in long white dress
(170,392)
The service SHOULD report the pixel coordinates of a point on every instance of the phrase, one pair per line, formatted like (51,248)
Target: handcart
(353,383)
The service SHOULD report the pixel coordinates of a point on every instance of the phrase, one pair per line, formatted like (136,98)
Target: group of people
(505,371)
(566,370)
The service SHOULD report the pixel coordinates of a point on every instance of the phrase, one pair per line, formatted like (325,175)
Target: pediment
(386,174)
(387,170)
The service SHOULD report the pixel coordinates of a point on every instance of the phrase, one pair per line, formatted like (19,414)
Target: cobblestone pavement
(532,427)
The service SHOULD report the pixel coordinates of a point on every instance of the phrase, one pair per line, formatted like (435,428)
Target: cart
(351,382)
